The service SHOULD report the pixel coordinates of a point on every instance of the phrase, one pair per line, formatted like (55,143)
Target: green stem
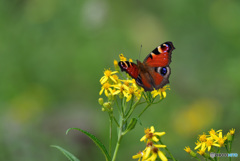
(110,134)
(116,121)
(119,111)
(132,108)
(168,151)
(197,158)
(119,140)
(144,110)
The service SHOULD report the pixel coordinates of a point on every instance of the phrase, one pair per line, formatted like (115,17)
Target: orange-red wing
(160,56)
(130,68)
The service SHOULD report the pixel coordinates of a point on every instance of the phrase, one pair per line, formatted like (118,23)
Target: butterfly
(154,72)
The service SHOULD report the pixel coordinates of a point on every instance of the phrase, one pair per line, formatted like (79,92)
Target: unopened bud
(100,101)
(107,105)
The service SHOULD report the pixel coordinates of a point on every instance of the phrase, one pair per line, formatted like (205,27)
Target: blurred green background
(53,53)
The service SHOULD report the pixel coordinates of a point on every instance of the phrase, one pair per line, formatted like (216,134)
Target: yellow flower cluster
(152,150)
(111,84)
(207,141)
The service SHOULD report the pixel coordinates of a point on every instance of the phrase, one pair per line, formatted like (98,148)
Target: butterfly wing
(160,56)
(130,68)
(158,63)
(154,71)
(142,79)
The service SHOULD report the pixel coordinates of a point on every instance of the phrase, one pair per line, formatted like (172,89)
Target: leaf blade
(69,155)
(95,140)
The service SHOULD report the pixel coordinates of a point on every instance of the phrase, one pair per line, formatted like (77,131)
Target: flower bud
(107,105)
(115,62)
(110,97)
(229,136)
(100,101)
(193,154)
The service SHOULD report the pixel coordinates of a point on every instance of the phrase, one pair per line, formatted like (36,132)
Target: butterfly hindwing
(160,56)
(160,76)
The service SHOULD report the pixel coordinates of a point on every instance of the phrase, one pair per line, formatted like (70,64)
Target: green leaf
(95,140)
(131,125)
(70,156)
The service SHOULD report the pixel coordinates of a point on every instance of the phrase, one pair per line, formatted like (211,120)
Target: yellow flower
(161,92)
(108,76)
(115,77)
(130,60)
(156,152)
(122,58)
(150,134)
(202,151)
(199,144)
(120,88)
(202,143)
(106,87)
(203,137)
(138,155)
(115,62)
(232,131)
(131,92)
(210,143)
(128,82)
(212,132)
(220,139)
(187,149)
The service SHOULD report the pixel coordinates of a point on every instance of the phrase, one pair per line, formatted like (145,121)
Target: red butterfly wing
(160,56)
(130,68)
(158,62)
(154,71)
(142,79)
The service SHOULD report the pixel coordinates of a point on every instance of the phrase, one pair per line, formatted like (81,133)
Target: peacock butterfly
(154,72)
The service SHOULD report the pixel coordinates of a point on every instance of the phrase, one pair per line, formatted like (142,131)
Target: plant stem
(144,110)
(132,109)
(110,135)
(168,151)
(119,140)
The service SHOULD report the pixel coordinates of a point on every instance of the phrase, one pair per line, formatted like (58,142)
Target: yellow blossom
(156,152)
(203,137)
(210,143)
(108,76)
(202,151)
(131,92)
(122,58)
(232,131)
(106,87)
(187,149)
(138,155)
(120,88)
(115,62)
(212,132)
(161,92)
(150,134)
(220,139)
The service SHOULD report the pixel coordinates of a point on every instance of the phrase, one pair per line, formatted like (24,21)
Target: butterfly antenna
(140,52)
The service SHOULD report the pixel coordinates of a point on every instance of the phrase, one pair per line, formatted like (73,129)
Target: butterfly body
(154,72)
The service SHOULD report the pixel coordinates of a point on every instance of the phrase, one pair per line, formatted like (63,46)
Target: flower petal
(162,156)
(159,133)
(100,93)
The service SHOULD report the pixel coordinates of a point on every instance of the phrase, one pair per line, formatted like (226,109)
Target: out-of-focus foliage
(53,52)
